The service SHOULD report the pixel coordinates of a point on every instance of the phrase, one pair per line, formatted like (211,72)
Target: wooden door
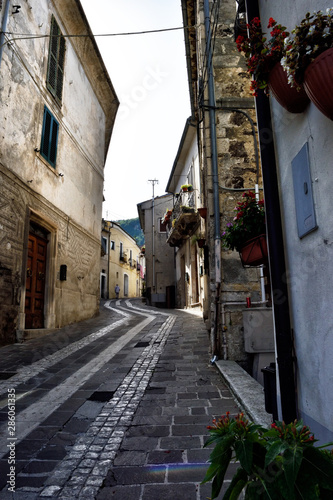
(35,282)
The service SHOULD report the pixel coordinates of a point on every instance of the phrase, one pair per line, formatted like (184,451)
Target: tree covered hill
(132,227)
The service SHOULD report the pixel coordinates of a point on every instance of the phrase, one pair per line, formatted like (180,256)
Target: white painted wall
(310,259)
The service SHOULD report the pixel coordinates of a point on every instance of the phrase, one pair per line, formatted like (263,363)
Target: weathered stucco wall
(65,200)
(164,255)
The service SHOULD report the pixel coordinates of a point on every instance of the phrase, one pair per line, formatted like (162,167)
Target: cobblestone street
(114,407)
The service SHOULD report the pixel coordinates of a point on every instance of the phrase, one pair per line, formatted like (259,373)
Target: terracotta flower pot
(203,212)
(318,80)
(288,97)
(254,253)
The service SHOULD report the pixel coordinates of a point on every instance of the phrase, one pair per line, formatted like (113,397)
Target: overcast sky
(148,72)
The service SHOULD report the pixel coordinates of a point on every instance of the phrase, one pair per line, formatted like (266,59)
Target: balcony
(185,219)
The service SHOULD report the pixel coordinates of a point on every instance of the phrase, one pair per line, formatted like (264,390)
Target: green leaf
(274,450)
(217,470)
(319,465)
(255,491)
(211,472)
(325,494)
(217,484)
(221,447)
(237,485)
(244,453)
(292,459)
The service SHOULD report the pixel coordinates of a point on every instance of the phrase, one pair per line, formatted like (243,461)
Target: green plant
(248,222)
(307,40)
(186,187)
(186,210)
(280,463)
(262,54)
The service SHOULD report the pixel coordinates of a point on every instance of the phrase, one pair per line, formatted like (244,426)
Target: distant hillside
(132,227)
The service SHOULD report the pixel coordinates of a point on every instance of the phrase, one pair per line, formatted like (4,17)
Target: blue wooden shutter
(49,138)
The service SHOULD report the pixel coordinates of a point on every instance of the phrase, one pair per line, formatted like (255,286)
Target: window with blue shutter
(49,142)
(55,71)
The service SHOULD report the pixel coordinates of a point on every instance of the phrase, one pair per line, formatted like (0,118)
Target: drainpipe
(283,331)
(3,28)
(217,230)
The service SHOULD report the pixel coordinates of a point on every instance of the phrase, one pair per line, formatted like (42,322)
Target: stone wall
(237,169)
(65,301)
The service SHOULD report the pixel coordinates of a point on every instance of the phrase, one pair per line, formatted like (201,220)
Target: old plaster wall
(164,254)
(65,200)
(309,259)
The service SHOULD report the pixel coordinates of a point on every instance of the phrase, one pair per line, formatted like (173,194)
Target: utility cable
(28,36)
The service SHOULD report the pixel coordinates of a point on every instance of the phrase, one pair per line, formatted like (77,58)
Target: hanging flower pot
(203,212)
(254,253)
(318,80)
(294,101)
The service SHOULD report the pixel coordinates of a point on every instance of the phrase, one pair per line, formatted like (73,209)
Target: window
(50,130)
(104,246)
(121,256)
(131,258)
(190,175)
(112,245)
(55,70)
(163,226)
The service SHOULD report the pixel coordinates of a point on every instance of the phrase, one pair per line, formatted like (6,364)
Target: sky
(149,75)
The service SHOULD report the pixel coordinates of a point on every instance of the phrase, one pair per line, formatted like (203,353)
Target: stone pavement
(115,407)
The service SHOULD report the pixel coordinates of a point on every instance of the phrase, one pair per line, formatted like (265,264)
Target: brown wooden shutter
(57,49)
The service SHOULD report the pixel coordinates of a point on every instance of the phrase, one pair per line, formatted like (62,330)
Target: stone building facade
(229,165)
(57,109)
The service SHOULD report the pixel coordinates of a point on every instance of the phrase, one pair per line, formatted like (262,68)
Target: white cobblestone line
(150,311)
(84,469)
(34,369)
(30,418)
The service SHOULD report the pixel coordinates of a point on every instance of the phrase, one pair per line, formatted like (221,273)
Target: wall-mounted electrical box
(305,212)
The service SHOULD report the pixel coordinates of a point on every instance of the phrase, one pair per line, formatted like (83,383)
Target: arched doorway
(125,285)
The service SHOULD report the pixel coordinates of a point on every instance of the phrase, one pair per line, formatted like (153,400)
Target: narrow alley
(113,407)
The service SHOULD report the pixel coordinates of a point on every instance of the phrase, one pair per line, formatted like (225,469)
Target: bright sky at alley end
(148,72)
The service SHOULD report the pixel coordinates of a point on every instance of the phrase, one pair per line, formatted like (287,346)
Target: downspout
(217,230)
(283,331)
(3,29)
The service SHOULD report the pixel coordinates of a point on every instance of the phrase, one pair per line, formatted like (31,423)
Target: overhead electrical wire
(28,36)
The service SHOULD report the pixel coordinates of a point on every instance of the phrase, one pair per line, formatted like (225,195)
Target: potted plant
(200,239)
(263,63)
(309,58)
(280,463)
(186,187)
(247,232)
